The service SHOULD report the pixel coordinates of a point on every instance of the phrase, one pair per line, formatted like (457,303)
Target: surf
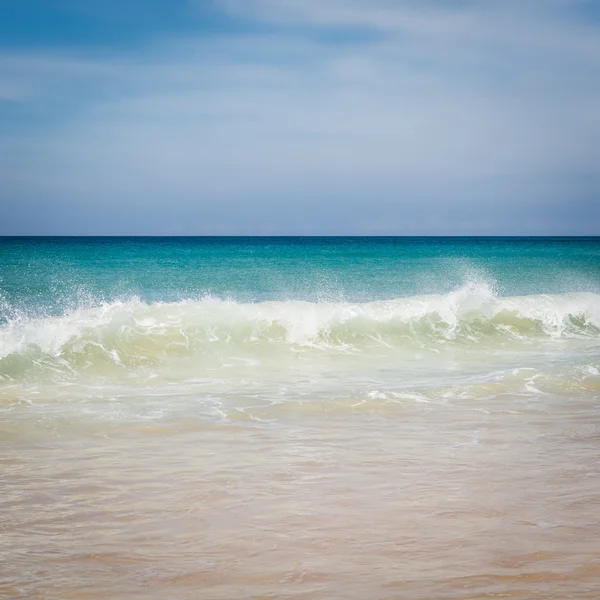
(133,333)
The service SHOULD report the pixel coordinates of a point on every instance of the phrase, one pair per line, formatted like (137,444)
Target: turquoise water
(53,275)
(301,417)
(116,308)
(330,317)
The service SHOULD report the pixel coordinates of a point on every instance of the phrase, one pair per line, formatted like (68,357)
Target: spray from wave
(131,334)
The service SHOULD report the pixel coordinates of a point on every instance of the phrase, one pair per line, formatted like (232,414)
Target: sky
(300,117)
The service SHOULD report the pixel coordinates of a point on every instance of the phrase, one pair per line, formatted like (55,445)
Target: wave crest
(133,333)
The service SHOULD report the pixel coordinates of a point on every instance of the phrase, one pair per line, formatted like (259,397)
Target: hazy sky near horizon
(200,117)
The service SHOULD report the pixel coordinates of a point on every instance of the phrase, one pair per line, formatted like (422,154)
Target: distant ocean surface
(300,417)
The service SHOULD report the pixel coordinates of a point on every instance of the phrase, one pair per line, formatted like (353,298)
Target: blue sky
(300,117)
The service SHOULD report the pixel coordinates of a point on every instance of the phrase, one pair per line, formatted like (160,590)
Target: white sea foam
(471,313)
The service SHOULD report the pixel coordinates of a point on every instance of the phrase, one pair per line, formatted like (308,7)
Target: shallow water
(269,442)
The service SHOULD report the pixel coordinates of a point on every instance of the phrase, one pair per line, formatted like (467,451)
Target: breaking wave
(130,334)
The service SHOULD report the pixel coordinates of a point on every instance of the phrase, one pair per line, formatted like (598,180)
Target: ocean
(352,418)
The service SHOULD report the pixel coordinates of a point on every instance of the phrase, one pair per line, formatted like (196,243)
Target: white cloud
(528,25)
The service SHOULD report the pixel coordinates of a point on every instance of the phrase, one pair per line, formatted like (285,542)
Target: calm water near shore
(336,418)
